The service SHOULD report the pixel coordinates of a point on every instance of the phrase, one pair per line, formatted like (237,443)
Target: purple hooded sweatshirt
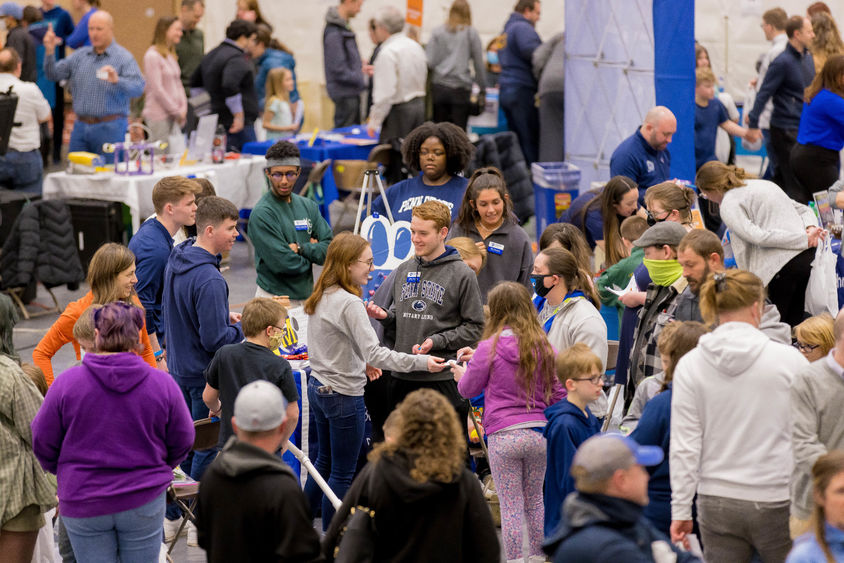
(111,430)
(505,403)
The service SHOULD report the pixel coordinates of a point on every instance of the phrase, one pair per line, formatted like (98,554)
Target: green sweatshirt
(273,225)
(619,275)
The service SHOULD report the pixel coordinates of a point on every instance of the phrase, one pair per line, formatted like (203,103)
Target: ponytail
(729,291)
(562,263)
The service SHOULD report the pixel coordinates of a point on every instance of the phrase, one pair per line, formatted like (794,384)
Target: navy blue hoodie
(567,428)
(196,312)
(654,429)
(517,56)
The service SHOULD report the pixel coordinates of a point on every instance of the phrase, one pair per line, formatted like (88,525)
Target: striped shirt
(93,97)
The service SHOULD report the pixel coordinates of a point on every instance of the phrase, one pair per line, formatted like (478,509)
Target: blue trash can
(555,185)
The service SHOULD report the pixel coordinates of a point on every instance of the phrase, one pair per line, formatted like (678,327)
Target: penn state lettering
(415,201)
(432,291)
(409,290)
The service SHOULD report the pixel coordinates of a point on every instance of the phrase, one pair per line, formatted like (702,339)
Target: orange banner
(414,12)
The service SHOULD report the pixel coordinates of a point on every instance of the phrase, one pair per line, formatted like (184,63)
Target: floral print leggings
(517,460)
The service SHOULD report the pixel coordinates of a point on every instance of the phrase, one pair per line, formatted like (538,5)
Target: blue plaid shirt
(93,97)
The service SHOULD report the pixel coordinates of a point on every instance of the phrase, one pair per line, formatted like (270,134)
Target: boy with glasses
(570,423)
(287,230)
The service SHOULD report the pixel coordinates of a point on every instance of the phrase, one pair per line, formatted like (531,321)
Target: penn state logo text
(419,305)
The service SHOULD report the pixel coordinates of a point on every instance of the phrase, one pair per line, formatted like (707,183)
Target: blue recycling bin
(555,185)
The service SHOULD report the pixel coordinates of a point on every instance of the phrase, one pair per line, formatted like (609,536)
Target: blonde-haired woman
(771,235)
(824,542)
(734,390)
(343,343)
(814,336)
(165,102)
(451,47)
(111,277)
(427,505)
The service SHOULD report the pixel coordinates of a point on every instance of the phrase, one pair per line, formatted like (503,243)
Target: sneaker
(192,539)
(170,529)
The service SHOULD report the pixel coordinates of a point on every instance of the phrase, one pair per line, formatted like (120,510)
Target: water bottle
(218,149)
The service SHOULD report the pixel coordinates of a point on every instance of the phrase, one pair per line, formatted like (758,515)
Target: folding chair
(185,495)
(612,359)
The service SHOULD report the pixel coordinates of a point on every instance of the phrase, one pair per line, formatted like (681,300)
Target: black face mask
(540,289)
(653,220)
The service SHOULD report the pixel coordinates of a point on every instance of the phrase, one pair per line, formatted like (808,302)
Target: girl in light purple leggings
(514,367)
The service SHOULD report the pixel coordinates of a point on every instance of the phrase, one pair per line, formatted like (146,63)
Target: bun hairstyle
(717,177)
(670,196)
(728,291)
(562,263)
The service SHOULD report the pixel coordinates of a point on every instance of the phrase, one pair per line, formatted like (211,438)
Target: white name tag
(301,224)
(495,248)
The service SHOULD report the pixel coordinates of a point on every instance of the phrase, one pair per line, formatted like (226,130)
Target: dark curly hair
(429,434)
(458,148)
(281,150)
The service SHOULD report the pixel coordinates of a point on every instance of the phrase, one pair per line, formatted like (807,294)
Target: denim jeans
(196,462)
(91,136)
(131,536)
(522,118)
(235,141)
(732,529)
(340,427)
(22,171)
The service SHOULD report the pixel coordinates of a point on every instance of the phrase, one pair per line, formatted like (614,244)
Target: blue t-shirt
(822,121)
(594,220)
(407,194)
(707,120)
(640,162)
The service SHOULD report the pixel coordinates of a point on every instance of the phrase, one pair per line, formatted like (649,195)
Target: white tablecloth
(240,181)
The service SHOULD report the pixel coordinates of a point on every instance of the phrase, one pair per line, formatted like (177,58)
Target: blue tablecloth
(325,150)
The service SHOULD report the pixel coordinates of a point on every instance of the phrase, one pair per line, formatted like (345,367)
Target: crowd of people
(725,441)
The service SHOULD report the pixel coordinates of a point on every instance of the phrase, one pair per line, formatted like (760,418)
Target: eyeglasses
(367,262)
(594,379)
(652,220)
(805,348)
(290,175)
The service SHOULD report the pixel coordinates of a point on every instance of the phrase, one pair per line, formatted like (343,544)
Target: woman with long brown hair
(600,219)
(824,542)
(514,367)
(342,344)
(111,277)
(427,505)
(165,102)
(486,216)
(815,158)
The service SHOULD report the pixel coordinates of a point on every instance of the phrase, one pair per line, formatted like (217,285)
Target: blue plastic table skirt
(325,150)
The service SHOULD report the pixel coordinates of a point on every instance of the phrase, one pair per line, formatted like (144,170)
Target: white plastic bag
(822,291)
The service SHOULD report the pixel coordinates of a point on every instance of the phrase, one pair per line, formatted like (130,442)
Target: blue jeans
(340,425)
(522,118)
(91,136)
(133,535)
(772,157)
(196,462)
(235,141)
(22,171)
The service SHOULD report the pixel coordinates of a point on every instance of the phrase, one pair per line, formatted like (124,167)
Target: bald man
(643,157)
(103,78)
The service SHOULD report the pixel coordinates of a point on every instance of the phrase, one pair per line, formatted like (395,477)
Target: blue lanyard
(539,302)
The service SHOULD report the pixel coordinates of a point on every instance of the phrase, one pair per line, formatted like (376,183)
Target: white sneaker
(170,529)
(192,539)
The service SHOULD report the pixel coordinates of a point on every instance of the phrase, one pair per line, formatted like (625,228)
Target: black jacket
(502,151)
(341,58)
(225,72)
(41,247)
(251,508)
(785,80)
(416,521)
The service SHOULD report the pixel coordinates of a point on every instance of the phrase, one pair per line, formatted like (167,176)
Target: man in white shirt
(21,167)
(773,26)
(401,70)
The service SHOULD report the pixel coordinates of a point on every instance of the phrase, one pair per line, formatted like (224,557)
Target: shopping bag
(822,291)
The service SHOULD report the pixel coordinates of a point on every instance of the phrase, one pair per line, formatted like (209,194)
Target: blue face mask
(492,57)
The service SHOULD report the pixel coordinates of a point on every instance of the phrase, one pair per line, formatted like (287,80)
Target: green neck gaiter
(663,272)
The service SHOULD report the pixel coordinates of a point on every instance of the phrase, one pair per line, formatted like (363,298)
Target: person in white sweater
(771,235)
(731,428)
(343,350)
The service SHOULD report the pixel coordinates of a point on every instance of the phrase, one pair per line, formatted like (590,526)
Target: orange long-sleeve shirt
(62,332)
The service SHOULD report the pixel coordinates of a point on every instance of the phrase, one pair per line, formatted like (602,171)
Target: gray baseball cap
(259,406)
(666,232)
(599,457)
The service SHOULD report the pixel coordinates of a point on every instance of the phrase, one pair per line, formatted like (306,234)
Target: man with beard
(643,157)
(700,254)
